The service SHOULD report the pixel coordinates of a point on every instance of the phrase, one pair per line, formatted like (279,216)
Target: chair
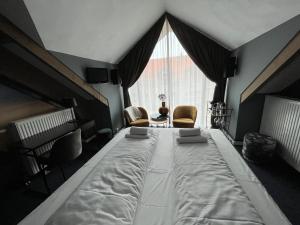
(184,116)
(136,116)
(64,149)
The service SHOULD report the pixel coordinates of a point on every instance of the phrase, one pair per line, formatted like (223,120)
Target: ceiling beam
(270,71)
(42,54)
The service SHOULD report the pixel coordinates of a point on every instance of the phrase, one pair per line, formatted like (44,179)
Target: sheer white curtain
(170,71)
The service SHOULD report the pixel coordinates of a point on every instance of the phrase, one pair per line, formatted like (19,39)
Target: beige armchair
(184,116)
(136,116)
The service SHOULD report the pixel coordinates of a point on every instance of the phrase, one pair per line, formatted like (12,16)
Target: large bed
(158,181)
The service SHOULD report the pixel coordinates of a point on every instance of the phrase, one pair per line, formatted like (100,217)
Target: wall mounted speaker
(96,75)
(231,67)
(115,77)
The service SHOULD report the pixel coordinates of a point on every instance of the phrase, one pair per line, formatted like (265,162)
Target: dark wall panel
(250,114)
(293,91)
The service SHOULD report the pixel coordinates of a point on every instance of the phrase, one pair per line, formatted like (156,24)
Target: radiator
(28,127)
(281,120)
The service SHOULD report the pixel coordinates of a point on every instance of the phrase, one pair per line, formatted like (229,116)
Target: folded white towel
(192,139)
(138,130)
(189,132)
(137,136)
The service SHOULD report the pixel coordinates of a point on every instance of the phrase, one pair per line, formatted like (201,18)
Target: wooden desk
(34,142)
(29,147)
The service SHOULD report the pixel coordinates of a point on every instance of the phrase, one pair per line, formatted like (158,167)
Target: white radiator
(281,120)
(28,127)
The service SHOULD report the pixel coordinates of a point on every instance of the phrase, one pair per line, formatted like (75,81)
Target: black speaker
(96,75)
(231,67)
(115,77)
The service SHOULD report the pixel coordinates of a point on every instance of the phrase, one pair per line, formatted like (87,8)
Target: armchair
(136,116)
(184,116)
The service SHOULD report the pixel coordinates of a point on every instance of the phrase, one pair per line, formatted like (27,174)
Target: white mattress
(157,204)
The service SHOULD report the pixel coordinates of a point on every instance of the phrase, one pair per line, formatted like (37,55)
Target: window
(171,71)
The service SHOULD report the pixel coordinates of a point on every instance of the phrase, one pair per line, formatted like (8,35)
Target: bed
(158,181)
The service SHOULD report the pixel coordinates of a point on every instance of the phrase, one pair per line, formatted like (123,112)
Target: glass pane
(171,71)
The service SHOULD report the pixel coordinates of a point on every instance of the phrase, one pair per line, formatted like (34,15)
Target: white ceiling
(105,30)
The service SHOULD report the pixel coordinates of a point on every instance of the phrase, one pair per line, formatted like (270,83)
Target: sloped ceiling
(17,13)
(105,30)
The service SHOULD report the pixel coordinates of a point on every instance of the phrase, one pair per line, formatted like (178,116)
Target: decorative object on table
(136,116)
(158,117)
(163,110)
(258,148)
(220,115)
(158,120)
(184,116)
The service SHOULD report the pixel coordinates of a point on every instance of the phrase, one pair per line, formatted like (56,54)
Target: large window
(171,71)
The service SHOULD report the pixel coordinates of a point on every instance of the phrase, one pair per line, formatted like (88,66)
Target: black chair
(64,149)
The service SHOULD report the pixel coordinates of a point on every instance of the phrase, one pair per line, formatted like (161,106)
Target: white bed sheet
(262,201)
(157,205)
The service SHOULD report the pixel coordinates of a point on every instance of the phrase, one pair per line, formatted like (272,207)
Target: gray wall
(112,92)
(17,13)
(253,57)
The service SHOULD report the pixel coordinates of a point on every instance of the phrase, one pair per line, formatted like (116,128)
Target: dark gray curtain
(208,55)
(133,64)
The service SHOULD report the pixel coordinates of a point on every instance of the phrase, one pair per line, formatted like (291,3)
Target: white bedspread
(110,194)
(182,184)
(207,192)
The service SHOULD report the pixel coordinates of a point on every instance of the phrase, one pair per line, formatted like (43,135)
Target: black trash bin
(258,148)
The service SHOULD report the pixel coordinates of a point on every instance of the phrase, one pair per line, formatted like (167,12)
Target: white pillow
(137,112)
(134,113)
(186,132)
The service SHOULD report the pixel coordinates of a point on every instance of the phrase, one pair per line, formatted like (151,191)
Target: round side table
(158,120)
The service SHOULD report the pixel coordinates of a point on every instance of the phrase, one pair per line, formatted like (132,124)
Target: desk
(38,140)
(29,146)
